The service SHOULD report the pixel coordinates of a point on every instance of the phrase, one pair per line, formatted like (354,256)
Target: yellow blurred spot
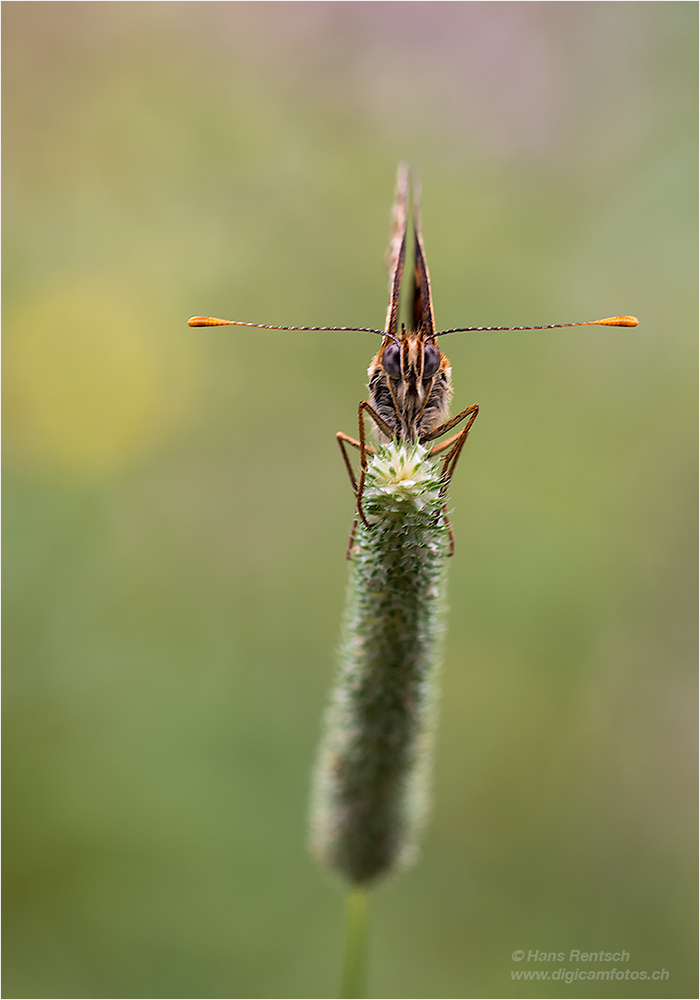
(89,385)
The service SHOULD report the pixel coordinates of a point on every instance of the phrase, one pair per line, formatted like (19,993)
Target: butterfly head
(409,383)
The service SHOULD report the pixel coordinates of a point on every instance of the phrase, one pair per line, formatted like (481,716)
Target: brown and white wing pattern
(396,255)
(422,319)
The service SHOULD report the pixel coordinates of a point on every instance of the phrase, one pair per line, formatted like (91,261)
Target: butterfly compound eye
(431,360)
(391,360)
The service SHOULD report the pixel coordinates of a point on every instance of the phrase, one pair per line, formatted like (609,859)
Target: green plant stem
(355,946)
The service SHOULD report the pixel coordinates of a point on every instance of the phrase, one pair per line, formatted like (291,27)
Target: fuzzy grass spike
(371,791)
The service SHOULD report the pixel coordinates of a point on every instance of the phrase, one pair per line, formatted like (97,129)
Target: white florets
(400,467)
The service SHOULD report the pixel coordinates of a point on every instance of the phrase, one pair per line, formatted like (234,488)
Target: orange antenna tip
(617,321)
(208,321)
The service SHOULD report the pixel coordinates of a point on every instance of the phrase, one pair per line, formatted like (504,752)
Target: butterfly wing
(422,318)
(397,248)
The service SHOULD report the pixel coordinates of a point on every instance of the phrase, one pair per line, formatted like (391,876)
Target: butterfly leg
(452,457)
(455,445)
(471,411)
(365,450)
(451,550)
(344,440)
(351,539)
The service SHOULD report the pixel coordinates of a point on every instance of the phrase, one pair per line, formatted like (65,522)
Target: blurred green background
(176,510)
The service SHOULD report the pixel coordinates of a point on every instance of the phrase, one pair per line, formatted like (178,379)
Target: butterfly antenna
(610,321)
(213,321)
